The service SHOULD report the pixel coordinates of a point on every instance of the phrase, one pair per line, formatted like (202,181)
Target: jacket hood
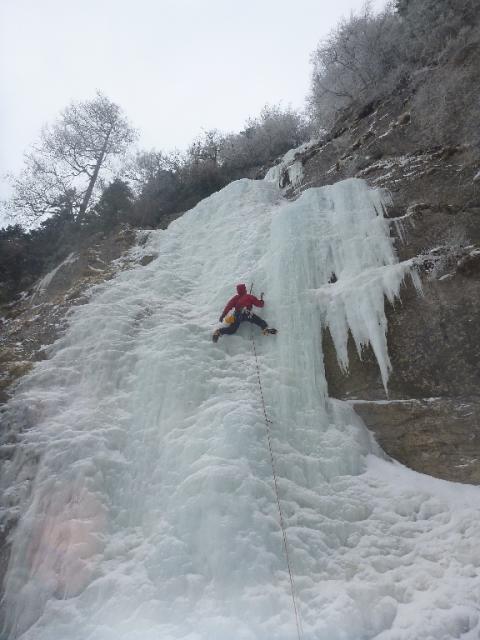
(241,289)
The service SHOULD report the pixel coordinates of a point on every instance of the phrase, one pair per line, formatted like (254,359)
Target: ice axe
(251,289)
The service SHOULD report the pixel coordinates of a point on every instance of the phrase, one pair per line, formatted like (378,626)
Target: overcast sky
(174,66)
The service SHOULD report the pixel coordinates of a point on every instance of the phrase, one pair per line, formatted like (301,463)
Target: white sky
(174,66)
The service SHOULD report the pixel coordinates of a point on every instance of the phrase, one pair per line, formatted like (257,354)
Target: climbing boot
(268,331)
(216,335)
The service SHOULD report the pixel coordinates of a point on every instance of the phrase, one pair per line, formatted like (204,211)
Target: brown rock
(438,436)
(469,265)
(147,260)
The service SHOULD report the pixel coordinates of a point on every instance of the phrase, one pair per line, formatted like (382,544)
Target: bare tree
(64,167)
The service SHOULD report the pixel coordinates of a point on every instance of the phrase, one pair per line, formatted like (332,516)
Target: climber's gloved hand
(261,295)
(221,318)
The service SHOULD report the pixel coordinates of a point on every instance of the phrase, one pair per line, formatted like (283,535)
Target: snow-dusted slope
(152,515)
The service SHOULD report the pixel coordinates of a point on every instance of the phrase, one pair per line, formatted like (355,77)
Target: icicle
(357,237)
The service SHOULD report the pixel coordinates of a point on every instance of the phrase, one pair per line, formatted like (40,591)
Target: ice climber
(240,308)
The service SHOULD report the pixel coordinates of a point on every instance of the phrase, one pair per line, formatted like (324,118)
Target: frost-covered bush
(358,57)
(430,25)
(447,106)
(271,134)
(369,54)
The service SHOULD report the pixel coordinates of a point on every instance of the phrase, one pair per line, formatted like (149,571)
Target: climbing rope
(282,522)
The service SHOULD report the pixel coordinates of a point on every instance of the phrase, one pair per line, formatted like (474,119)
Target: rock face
(430,421)
(433,435)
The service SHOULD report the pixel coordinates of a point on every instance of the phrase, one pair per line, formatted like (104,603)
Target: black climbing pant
(243,317)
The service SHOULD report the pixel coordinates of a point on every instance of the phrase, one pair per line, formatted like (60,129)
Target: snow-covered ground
(152,515)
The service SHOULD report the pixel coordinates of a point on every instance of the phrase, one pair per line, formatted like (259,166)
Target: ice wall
(143,482)
(363,271)
(290,166)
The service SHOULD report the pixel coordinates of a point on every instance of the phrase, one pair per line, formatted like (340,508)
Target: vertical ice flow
(143,485)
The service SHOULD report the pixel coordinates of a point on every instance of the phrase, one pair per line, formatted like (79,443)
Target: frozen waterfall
(143,483)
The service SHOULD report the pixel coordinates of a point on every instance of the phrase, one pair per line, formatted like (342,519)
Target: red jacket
(242,300)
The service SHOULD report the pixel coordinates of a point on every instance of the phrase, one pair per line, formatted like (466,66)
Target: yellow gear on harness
(230,319)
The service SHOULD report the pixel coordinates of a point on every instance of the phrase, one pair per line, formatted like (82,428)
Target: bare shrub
(359,57)
(368,55)
(273,132)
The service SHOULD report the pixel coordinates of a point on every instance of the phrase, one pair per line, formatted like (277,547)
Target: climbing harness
(282,522)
